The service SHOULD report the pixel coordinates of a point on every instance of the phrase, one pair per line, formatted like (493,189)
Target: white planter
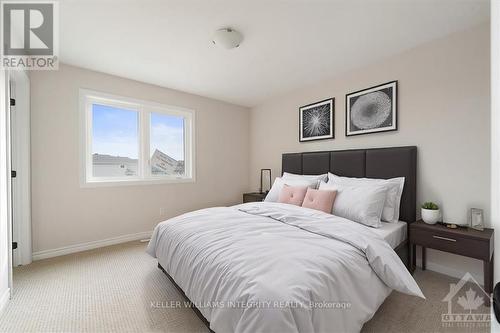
(430,216)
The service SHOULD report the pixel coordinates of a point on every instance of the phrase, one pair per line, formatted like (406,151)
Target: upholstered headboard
(371,163)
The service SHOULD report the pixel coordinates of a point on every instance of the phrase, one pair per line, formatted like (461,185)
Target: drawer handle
(445,238)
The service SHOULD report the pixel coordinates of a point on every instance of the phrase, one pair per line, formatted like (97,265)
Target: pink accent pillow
(293,195)
(319,200)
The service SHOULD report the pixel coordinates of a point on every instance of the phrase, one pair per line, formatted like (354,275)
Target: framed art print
(316,121)
(372,110)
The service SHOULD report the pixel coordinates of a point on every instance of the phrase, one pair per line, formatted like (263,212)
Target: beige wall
(444,109)
(65,214)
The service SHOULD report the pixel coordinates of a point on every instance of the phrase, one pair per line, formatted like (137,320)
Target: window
(127,141)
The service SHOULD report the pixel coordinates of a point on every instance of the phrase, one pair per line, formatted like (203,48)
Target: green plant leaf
(430,205)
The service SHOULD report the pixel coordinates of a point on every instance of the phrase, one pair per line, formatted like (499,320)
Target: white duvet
(270,267)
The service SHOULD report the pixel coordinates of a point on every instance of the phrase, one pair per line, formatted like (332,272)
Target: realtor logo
(466,304)
(29,35)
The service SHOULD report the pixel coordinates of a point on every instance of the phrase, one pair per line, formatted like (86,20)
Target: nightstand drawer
(447,242)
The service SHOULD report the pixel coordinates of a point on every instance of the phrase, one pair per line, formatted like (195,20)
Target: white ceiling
(287,44)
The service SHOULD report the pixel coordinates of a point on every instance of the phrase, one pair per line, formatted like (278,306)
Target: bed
(395,234)
(270,267)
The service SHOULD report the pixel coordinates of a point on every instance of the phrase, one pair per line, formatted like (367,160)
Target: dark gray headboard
(371,163)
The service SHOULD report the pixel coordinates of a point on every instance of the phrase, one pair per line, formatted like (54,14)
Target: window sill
(134,182)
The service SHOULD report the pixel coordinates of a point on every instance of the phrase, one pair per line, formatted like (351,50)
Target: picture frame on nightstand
(476,219)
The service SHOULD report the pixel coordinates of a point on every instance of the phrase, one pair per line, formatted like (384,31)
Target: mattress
(393,233)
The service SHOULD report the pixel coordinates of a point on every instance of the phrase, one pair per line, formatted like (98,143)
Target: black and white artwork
(372,110)
(316,121)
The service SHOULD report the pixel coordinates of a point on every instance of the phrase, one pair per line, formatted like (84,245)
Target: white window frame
(144,110)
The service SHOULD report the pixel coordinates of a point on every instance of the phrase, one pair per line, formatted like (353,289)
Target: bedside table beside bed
(462,241)
(253,197)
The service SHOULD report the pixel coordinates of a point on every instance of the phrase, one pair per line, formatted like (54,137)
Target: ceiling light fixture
(228,38)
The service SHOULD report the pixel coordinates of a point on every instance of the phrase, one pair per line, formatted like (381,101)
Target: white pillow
(394,191)
(319,178)
(362,204)
(275,190)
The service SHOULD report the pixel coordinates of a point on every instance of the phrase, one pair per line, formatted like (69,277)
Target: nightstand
(253,197)
(463,241)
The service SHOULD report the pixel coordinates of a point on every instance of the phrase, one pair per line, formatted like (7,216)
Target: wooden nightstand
(253,196)
(463,241)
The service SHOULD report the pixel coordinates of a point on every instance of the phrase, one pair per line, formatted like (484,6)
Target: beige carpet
(111,290)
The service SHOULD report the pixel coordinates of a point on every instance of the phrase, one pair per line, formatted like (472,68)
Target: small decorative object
(476,219)
(372,110)
(262,171)
(316,121)
(430,213)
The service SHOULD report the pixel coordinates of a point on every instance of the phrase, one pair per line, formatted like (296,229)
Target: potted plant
(430,212)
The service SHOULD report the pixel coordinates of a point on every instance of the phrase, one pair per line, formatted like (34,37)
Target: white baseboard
(89,245)
(4,299)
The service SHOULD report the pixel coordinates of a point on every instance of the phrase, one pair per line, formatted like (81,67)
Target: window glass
(167,145)
(115,143)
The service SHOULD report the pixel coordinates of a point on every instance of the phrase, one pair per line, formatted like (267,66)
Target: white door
(20,164)
(5,193)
